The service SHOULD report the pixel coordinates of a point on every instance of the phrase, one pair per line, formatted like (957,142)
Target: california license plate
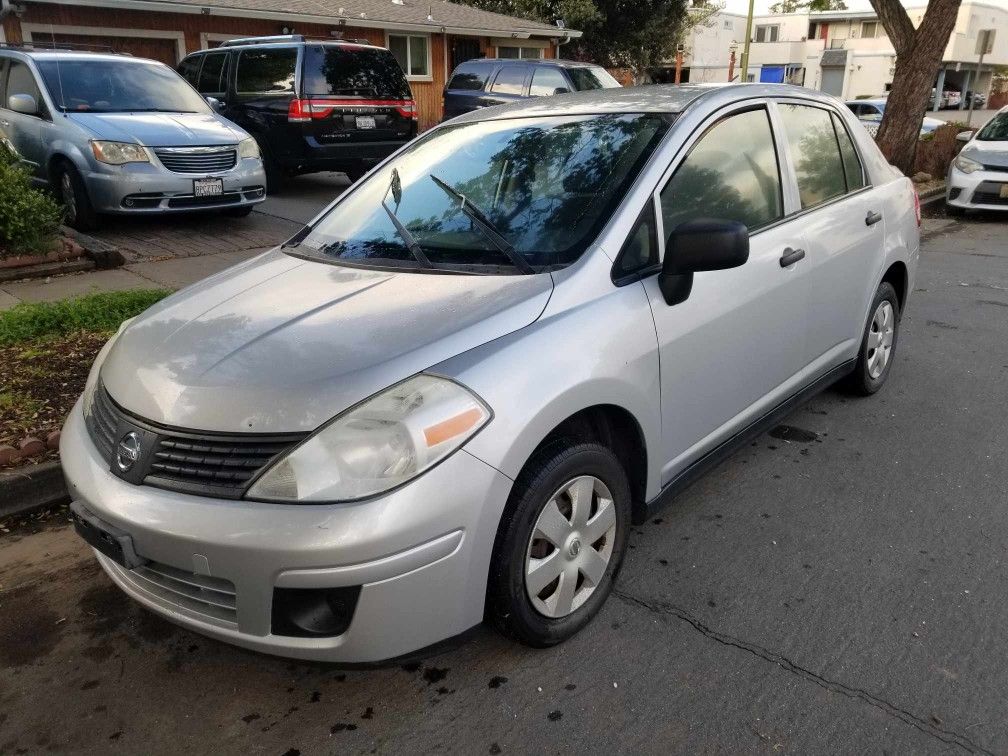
(208,187)
(365,122)
(1004,191)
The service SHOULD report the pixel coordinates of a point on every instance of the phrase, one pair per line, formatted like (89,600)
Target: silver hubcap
(571,546)
(69,198)
(880,339)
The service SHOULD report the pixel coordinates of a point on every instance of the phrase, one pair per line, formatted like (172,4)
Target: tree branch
(897,24)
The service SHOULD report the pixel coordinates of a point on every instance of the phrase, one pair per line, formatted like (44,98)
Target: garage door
(158,49)
(832,81)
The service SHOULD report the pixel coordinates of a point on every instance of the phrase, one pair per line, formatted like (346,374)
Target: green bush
(102,312)
(936,150)
(29,219)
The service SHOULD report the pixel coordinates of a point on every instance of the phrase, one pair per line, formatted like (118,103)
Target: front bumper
(980,190)
(139,188)
(421,555)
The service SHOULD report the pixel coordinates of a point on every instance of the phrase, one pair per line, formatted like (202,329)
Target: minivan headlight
(118,153)
(248,148)
(966,165)
(382,443)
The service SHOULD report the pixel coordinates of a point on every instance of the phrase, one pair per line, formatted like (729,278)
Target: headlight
(92,381)
(117,153)
(248,148)
(966,165)
(378,445)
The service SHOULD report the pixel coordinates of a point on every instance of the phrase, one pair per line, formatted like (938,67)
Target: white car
(978,177)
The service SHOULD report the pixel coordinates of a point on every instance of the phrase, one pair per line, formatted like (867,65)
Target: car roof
(651,98)
(68,55)
(559,62)
(868,101)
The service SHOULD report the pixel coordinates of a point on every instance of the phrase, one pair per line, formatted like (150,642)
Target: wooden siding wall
(428,94)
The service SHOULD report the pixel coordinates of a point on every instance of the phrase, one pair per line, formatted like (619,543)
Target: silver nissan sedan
(450,396)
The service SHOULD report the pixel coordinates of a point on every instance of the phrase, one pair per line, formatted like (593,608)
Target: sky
(763,6)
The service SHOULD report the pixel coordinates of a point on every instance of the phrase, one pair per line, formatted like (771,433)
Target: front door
(463,49)
(736,346)
(22,131)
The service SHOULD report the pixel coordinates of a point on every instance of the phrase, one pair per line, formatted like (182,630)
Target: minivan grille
(209,464)
(197,159)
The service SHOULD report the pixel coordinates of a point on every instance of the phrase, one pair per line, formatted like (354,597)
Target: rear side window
(350,71)
(266,71)
(731,173)
(546,81)
(469,77)
(210,74)
(189,68)
(591,77)
(510,80)
(853,171)
(815,153)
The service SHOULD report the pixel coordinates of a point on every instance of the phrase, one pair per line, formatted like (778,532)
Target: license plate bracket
(114,543)
(366,122)
(208,187)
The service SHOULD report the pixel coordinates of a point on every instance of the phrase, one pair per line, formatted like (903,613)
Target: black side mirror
(699,245)
(561,90)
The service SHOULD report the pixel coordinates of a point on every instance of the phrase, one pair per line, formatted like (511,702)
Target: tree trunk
(918,56)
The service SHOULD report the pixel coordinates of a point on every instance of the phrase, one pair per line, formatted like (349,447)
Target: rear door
(262,88)
(843,226)
(548,81)
(510,84)
(356,93)
(465,88)
(212,81)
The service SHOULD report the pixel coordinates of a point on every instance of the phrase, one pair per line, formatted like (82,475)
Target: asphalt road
(842,593)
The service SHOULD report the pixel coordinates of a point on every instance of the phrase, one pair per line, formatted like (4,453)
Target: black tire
(509,606)
(276,176)
(239,212)
(861,381)
(72,194)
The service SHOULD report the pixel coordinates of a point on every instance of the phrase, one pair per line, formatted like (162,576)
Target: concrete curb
(32,487)
(105,255)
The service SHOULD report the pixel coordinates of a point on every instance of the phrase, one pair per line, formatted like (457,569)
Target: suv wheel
(878,344)
(560,543)
(71,192)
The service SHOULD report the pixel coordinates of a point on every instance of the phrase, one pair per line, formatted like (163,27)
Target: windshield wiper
(479,218)
(411,243)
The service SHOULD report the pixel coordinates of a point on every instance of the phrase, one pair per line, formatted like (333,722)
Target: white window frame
(30,31)
(772,30)
(520,47)
(875,26)
(429,76)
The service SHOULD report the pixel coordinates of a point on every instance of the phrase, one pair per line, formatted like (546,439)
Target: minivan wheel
(560,543)
(72,194)
(878,343)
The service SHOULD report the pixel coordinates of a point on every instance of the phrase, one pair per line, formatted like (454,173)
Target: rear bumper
(319,156)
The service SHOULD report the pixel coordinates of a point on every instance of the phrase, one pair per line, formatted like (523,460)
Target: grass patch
(96,313)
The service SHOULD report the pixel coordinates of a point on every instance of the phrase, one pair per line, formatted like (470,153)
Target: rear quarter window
(353,71)
(189,68)
(469,78)
(266,71)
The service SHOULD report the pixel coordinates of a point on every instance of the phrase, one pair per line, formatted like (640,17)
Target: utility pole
(748,36)
(678,64)
(732,48)
(985,44)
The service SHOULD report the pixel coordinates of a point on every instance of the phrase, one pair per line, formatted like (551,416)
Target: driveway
(836,587)
(980,117)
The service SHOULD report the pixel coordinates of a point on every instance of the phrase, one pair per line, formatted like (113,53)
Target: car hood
(930,124)
(161,129)
(988,153)
(280,344)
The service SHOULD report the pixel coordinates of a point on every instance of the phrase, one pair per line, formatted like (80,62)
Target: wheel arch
(897,275)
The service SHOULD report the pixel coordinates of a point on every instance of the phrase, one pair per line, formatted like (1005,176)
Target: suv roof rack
(43,46)
(241,41)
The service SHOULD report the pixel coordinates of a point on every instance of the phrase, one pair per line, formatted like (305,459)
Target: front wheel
(72,193)
(560,543)
(878,343)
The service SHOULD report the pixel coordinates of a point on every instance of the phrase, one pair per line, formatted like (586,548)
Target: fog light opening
(313,612)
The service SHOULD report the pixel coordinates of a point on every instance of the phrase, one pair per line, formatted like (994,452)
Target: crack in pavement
(928,728)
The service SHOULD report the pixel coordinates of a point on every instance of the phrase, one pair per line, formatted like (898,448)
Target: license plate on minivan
(208,187)
(1004,191)
(365,122)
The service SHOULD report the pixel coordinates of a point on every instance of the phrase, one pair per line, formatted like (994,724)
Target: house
(429,37)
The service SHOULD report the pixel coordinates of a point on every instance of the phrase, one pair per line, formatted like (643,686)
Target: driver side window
(731,173)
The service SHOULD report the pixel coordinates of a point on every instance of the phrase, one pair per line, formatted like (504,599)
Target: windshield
(118,86)
(346,71)
(538,187)
(996,129)
(592,77)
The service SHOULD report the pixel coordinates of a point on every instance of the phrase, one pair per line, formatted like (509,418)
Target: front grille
(210,597)
(197,159)
(989,193)
(996,168)
(209,464)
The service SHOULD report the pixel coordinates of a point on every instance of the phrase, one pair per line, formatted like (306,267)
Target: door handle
(872,218)
(791,256)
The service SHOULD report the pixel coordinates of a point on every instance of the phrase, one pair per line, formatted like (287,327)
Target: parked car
(312,105)
(870,112)
(452,393)
(978,177)
(484,82)
(979,100)
(116,134)
(951,99)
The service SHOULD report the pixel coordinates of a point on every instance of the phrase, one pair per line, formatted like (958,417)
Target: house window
(767,33)
(870,29)
(728,24)
(412,52)
(523,53)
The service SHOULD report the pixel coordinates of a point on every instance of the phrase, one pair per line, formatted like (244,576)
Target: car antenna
(59,74)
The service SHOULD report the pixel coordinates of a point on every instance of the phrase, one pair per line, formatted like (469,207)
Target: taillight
(408,109)
(303,111)
(299,111)
(917,207)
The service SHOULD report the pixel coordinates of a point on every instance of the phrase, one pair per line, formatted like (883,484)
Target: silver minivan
(116,134)
(451,394)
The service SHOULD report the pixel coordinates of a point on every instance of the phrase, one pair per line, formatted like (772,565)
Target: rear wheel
(560,544)
(72,193)
(878,343)
(276,176)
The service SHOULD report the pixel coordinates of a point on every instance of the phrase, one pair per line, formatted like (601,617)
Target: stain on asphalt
(435,674)
(29,628)
(495,749)
(368,713)
(315,696)
(497,680)
(105,609)
(943,324)
(993,302)
(411,667)
(554,716)
(570,686)
(250,718)
(341,726)
(794,433)
(90,685)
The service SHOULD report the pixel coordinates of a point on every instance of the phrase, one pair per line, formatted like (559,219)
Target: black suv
(312,105)
(494,81)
